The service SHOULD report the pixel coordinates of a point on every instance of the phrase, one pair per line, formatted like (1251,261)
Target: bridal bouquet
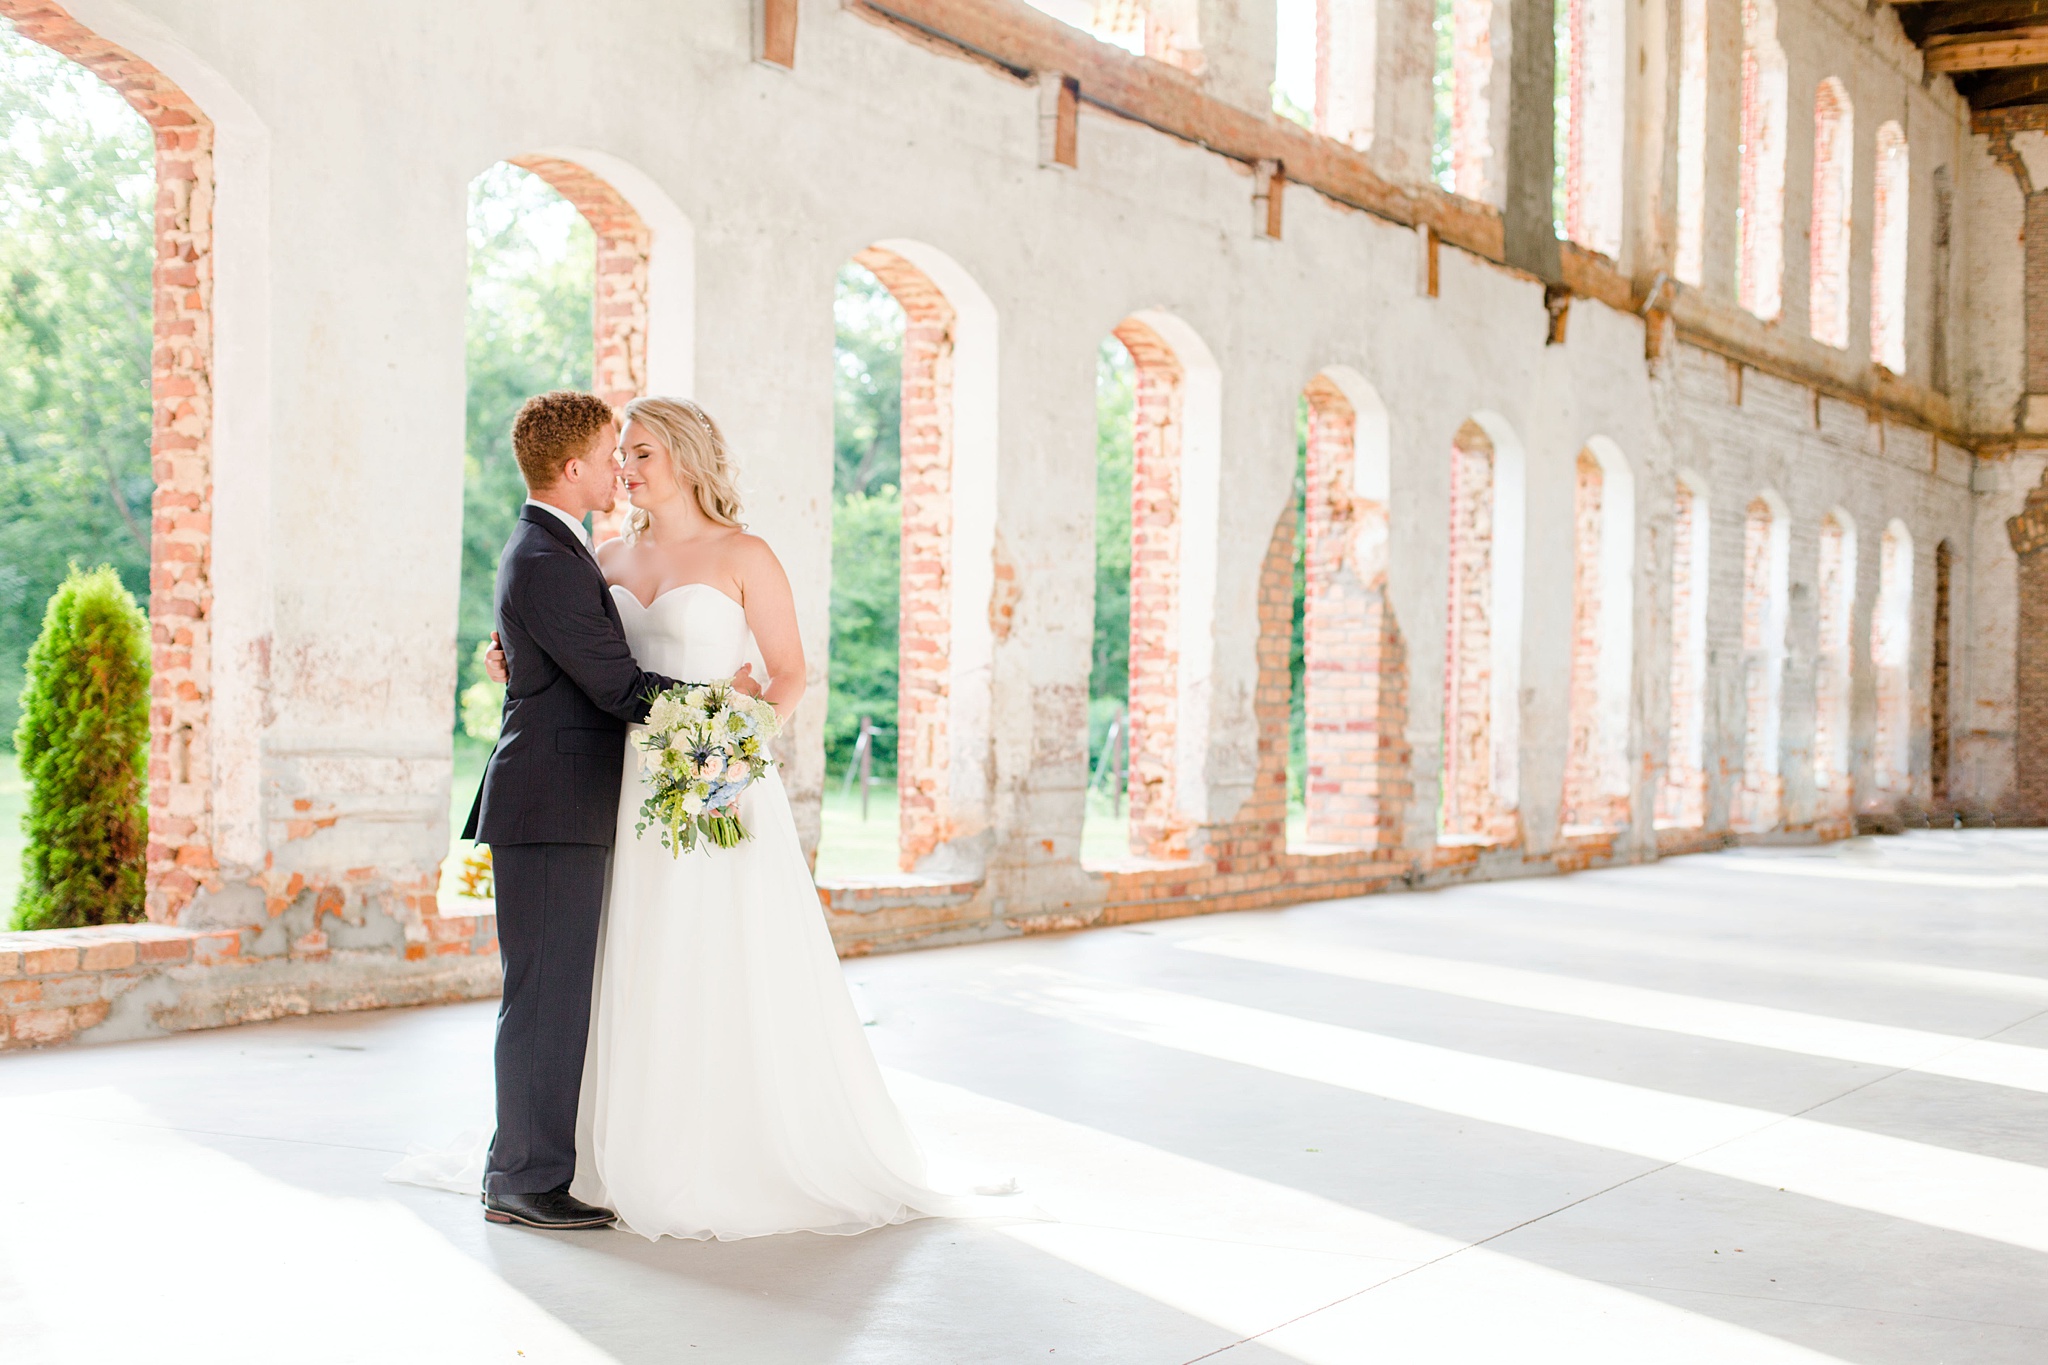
(704,743)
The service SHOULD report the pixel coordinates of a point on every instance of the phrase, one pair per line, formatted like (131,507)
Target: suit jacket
(574,687)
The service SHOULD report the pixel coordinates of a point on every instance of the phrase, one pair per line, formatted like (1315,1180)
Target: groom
(549,802)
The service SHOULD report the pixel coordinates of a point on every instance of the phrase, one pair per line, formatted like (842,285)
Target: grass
(849,846)
(13,804)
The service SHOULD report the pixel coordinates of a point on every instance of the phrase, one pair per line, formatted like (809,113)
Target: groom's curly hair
(553,429)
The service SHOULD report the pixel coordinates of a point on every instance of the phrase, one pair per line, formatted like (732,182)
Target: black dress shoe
(549,1209)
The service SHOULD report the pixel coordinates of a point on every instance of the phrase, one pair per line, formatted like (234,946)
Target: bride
(728,1090)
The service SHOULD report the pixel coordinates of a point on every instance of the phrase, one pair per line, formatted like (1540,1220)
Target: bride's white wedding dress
(728,1091)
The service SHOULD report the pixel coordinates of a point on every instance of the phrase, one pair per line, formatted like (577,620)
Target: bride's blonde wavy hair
(696,454)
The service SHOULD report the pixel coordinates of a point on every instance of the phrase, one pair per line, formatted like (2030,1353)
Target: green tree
(532,268)
(77,187)
(84,744)
(1109,673)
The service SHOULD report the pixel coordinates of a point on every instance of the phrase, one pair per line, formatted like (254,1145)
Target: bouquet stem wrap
(703,745)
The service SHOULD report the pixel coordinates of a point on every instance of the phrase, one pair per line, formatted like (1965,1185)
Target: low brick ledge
(121,981)
(866,895)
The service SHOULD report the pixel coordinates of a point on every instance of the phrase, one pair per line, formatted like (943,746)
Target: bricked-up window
(1834,179)
(944,509)
(1692,142)
(1355,685)
(1888,250)
(1462,157)
(1682,799)
(1832,662)
(1175,438)
(1483,638)
(1588,126)
(1597,769)
(1761,264)
(1766,593)
(1891,648)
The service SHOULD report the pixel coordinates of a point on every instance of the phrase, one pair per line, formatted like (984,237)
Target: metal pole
(867,763)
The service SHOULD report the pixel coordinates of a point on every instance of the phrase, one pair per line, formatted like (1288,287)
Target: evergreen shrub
(83,740)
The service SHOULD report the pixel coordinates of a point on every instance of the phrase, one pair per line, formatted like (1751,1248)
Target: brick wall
(1759,796)
(1834,159)
(1763,160)
(1355,681)
(1891,652)
(1157,828)
(1832,666)
(1587,760)
(181,857)
(2029,534)
(1470,810)
(925,612)
(1682,796)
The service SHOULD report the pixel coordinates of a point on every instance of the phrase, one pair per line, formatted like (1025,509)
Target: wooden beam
(2028,85)
(775,33)
(1988,51)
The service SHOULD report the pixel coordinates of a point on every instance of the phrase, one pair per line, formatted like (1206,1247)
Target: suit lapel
(552,524)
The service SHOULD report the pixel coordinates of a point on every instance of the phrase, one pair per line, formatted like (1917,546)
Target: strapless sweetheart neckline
(670,592)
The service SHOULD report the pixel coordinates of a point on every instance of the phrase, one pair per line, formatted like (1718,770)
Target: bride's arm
(771,615)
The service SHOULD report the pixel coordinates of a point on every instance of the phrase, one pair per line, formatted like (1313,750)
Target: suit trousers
(549,899)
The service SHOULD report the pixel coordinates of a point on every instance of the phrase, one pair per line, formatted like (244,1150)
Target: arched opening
(1682,800)
(1761,264)
(579,277)
(1888,249)
(1483,636)
(1833,666)
(913,566)
(1834,179)
(1690,265)
(1766,605)
(152,457)
(1352,767)
(1891,649)
(1597,769)
(1148,741)
(1589,127)
(1462,141)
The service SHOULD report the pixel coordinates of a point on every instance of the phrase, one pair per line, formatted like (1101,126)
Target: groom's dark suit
(548,808)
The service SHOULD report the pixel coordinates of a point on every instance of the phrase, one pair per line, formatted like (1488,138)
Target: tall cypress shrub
(83,739)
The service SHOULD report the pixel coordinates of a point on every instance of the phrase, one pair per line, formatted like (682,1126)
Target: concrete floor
(1747,1107)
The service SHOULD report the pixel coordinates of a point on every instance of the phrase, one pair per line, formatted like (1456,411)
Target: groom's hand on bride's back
(743,681)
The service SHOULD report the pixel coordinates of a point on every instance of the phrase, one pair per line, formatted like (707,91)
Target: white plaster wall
(378,115)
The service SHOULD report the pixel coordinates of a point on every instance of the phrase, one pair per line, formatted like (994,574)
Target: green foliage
(1297,653)
(84,744)
(532,261)
(1109,673)
(1442,93)
(77,189)
(867,517)
(482,703)
(867,395)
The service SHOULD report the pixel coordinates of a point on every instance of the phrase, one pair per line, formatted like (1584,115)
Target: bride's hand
(743,682)
(494,661)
